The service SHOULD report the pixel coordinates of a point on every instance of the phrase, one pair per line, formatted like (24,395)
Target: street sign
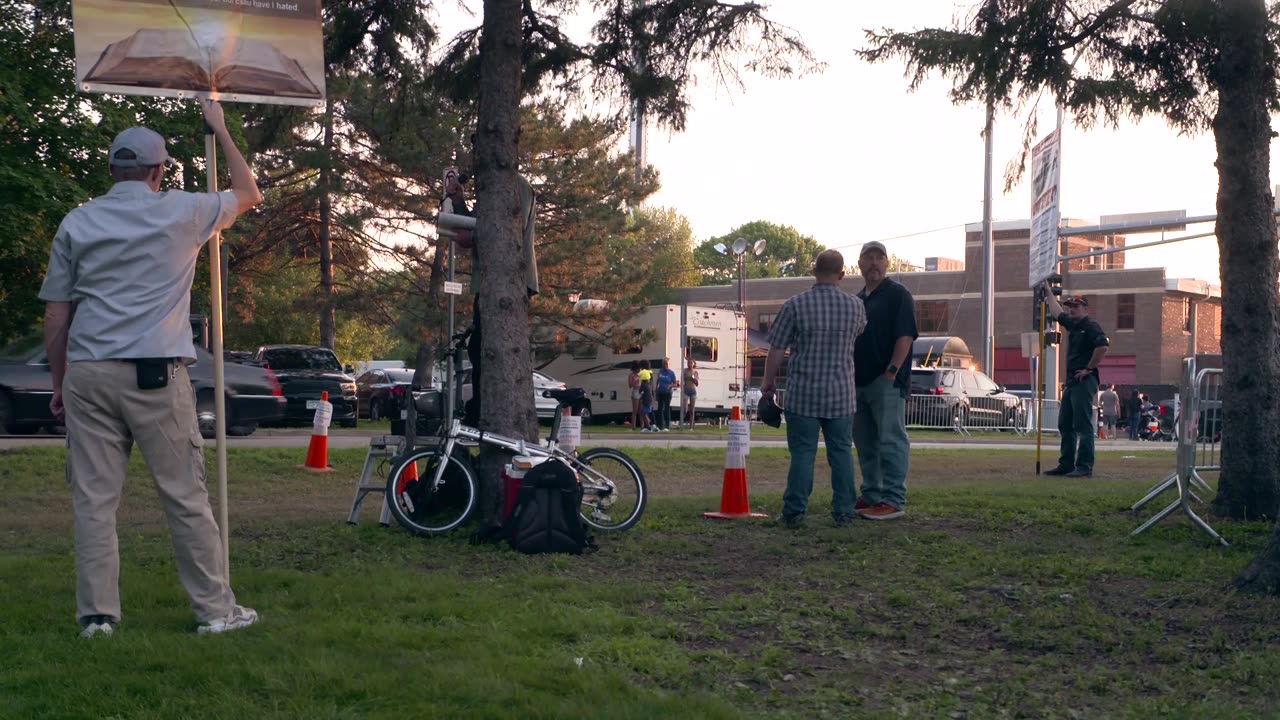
(1046,169)
(452,288)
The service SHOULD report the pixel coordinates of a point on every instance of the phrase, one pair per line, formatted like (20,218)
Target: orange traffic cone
(318,450)
(408,475)
(734,502)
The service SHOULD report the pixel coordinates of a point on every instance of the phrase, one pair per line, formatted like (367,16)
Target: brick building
(1149,318)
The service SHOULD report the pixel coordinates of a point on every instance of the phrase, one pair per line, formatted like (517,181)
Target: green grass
(999,595)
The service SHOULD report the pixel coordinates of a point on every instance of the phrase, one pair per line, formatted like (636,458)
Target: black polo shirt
(891,314)
(1085,336)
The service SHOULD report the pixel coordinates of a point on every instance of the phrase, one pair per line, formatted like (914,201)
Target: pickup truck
(304,372)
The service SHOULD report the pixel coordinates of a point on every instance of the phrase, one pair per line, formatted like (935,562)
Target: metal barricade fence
(965,415)
(1199,434)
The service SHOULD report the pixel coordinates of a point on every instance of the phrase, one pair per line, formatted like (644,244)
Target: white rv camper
(713,337)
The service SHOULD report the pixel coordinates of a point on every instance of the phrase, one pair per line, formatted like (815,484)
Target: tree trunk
(506,395)
(1262,576)
(328,323)
(1249,486)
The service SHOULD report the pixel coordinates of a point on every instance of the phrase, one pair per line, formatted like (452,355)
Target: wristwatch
(891,370)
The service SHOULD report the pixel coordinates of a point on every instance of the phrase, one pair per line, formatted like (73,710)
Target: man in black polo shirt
(882,374)
(1086,347)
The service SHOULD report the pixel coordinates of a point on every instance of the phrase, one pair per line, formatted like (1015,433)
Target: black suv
(304,373)
(945,397)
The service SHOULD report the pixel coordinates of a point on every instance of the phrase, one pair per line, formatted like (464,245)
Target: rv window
(583,349)
(704,349)
(544,353)
(635,348)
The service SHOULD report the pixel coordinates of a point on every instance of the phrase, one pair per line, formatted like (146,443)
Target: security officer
(1086,347)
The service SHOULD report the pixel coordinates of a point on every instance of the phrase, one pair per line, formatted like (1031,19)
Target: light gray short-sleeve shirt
(126,261)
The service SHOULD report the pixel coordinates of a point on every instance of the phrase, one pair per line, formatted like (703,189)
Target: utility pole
(988,256)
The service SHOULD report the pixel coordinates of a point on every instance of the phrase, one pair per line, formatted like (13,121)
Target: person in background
(1109,400)
(1086,346)
(689,390)
(118,337)
(646,397)
(665,385)
(883,359)
(633,389)
(1135,414)
(820,327)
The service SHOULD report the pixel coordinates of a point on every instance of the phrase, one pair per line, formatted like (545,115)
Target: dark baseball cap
(144,144)
(769,412)
(1080,300)
(873,245)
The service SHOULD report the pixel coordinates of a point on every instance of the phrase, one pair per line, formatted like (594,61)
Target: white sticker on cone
(324,414)
(740,437)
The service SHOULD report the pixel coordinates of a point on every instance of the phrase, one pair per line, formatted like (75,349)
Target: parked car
(380,392)
(305,372)
(254,397)
(545,406)
(944,397)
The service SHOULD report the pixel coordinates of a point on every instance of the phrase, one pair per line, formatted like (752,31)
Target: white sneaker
(239,617)
(666,429)
(97,625)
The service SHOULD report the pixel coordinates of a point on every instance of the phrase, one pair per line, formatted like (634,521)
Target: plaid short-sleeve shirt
(820,326)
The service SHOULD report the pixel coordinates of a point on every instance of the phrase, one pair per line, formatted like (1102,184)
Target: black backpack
(546,518)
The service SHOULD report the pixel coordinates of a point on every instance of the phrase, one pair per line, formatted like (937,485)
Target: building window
(1188,314)
(931,316)
(765,321)
(1125,306)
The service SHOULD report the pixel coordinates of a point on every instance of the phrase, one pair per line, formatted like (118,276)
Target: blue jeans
(1135,420)
(802,442)
(884,450)
(1075,425)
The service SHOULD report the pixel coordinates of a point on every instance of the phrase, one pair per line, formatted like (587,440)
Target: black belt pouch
(153,372)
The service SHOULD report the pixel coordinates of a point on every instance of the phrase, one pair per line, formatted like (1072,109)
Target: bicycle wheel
(614,493)
(424,506)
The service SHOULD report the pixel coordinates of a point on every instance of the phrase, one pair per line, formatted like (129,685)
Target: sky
(849,155)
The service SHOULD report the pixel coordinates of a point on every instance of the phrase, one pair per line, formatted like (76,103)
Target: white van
(714,341)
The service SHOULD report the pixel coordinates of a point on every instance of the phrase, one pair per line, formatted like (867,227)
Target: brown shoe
(881,511)
(860,504)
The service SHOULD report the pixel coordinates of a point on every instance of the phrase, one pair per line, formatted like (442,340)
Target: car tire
(348,423)
(242,430)
(206,419)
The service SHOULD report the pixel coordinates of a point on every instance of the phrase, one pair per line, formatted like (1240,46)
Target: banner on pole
(1046,169)
(266,51)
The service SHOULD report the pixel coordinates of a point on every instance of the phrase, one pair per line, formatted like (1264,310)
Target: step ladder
(371,480)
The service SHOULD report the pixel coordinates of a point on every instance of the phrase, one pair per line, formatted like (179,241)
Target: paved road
(343,439)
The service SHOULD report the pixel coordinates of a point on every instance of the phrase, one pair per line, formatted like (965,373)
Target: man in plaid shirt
(820,327)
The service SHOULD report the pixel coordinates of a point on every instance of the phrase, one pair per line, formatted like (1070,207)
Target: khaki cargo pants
(106,415)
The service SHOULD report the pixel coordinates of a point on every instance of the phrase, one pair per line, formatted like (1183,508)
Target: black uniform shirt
(1085,336)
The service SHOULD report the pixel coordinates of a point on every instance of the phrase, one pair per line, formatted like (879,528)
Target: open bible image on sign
(173,59)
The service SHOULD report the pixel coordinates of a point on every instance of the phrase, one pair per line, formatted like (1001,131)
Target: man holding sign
(117,333)
(820,326)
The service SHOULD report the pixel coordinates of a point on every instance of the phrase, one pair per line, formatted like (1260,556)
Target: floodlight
(720,248)
(759,247)
(739,246)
